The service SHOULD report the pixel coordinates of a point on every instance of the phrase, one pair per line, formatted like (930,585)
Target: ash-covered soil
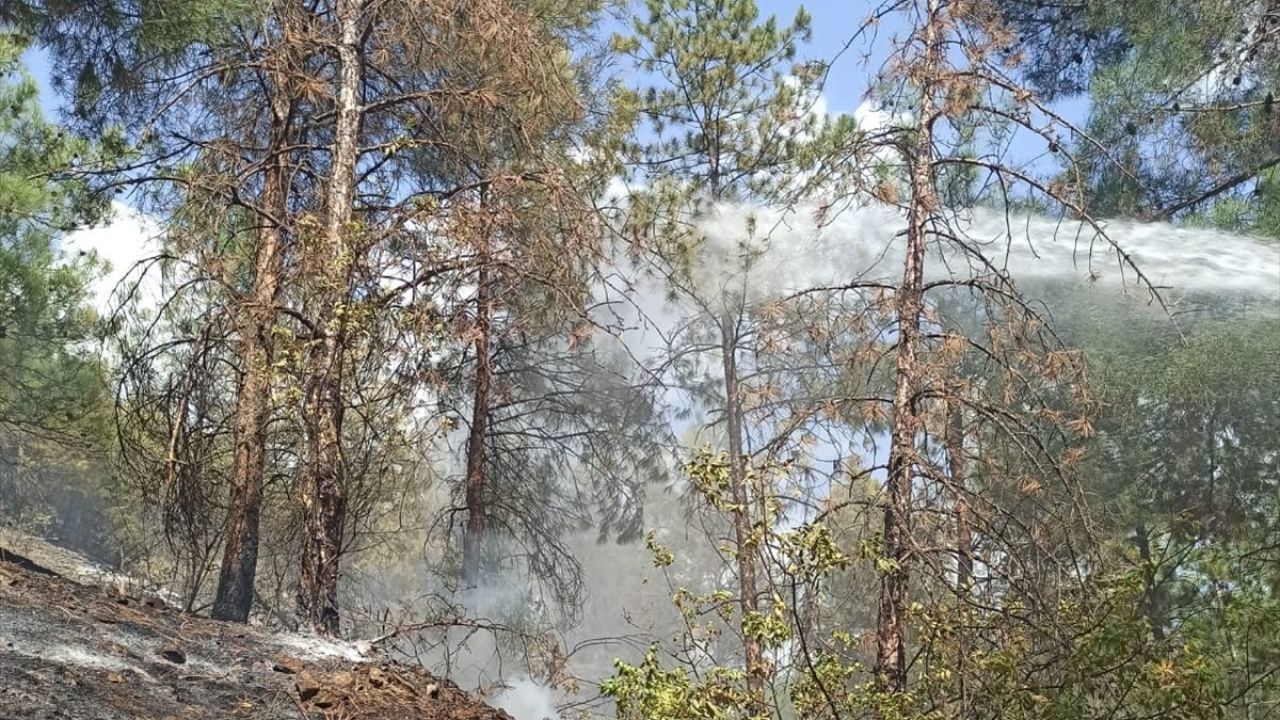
(73,651)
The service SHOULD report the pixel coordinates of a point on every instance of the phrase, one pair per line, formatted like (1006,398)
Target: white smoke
(125,239)
(760,254)
(766,252)
(526,699)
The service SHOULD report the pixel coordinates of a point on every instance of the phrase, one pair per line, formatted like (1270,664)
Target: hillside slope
(74,651)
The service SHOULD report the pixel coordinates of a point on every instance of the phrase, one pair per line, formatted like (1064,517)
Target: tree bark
(477,509)
(323,486)
(957,470)
(891,622)
(757,673)
(1151,598)
(256,318)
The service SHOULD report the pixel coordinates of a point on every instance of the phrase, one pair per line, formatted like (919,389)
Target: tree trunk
(477,510)
(1151,598)
(323,486)
(234,596)
(956,469)
(891,621)
(743,541)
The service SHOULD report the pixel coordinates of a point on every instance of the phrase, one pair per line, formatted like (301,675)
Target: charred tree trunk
(890,668)
(891,621)
(234,596)
(323,485)
(476,495)
(744,543)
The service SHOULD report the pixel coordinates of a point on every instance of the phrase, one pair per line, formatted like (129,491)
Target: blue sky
(38,65)
(833,23)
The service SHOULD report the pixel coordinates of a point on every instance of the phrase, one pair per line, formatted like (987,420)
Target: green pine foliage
(49,377)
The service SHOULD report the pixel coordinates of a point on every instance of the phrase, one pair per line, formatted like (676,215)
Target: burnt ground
(70,650)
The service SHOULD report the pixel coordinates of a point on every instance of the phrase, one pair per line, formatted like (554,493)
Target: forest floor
(72,650)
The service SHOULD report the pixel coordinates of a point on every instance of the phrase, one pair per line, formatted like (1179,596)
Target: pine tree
(54,399)
(143,71)
(50,381)
(1182,121)
(728,119)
